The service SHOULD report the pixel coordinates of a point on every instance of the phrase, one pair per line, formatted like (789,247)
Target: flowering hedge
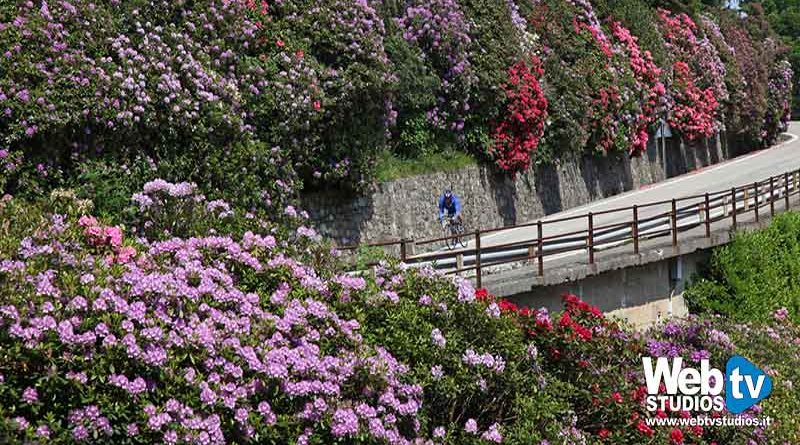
(650,91)
(518,135)
(329,85)
(442,32)
(779,101)
(227,334)
(697,73)
(212,338)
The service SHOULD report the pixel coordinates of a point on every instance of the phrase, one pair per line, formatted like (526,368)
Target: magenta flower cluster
(185,327)
(442,32)
(158,74)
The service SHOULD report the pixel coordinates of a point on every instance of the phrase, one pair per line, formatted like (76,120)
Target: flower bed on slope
(133,335)
(220,339)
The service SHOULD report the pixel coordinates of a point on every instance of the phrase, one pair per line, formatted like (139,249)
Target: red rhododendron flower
(262,7)
(583,332)
(518,134)
(676,436)
(639,393)
(644,429)
(565,321)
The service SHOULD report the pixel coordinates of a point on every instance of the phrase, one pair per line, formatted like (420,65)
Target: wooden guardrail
(642,221)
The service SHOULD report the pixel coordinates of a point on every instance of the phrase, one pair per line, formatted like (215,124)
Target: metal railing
(603,229)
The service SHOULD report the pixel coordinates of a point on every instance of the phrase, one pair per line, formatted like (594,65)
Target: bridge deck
(574,266)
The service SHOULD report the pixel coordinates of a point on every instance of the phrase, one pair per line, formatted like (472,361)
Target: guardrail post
(796,174)
(403,253)
(590,238)
(746,198)
(771,196)
(411,247)
(733,207)
(755,199)
(786,190)
(707,209)
(459,262)
(635,229)
(540,248)
(674,229)
(478,258)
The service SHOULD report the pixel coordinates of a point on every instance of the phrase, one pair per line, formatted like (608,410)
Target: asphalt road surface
(739,171)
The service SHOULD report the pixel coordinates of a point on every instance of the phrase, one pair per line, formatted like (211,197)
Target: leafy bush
(698,77)
(217,338)
(608,89)
(757,110)
(518,134)
(754,275)
(328,86)
(214,339)
(182,340)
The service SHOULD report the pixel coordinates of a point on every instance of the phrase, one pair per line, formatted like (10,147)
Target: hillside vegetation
(756,274)
(159,286)
(198,324)
(234,95)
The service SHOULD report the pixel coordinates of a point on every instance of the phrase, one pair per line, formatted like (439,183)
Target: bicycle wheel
(447,230)
(462,239)
(454,233)
(458,231)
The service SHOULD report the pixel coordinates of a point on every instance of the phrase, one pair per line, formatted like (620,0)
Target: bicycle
(454,227)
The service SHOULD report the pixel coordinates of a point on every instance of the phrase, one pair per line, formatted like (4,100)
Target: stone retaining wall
(407,207)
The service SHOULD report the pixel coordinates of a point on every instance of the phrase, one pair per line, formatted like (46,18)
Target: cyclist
(450,204)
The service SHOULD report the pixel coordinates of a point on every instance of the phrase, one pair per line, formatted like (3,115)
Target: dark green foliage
(754,275)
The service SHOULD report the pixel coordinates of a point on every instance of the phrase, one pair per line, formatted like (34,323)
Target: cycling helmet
(448,194)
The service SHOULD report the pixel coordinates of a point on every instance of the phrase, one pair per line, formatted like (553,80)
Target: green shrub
(150,336)
(517,389)
(757,273)
(389,166)
(209,328)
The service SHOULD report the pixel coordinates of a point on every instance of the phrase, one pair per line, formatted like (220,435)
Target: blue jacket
(453,209)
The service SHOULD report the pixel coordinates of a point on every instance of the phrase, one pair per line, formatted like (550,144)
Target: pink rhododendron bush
(242,332)
(111,335)
(698,73)
(518,135)
(238,94)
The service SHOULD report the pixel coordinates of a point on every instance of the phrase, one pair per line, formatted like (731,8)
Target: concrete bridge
(631,254)
(646,284)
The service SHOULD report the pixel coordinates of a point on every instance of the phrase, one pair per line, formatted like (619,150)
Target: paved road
(736,172)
